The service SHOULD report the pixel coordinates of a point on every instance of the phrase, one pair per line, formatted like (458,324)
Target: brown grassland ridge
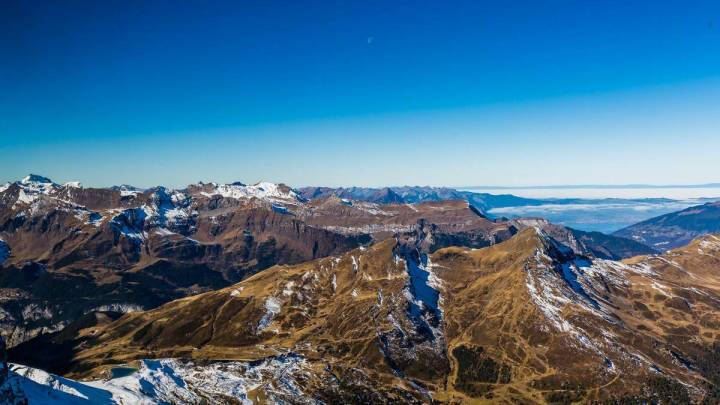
(522,321)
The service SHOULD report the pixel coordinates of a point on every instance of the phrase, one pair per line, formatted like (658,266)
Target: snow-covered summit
(32,186)
(72,184)
(35,179)
(262,190)
(37,184)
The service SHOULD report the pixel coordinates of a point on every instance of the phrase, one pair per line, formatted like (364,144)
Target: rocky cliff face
(525,320)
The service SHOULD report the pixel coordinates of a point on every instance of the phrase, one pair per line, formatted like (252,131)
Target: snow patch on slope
(168,381)
(124,308)
(272,308)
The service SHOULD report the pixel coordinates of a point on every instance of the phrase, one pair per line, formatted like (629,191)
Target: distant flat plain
(599,213)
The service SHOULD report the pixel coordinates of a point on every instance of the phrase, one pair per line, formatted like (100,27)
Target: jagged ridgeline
(67,251)
(526,320)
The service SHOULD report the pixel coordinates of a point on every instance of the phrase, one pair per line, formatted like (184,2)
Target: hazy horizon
(625,191)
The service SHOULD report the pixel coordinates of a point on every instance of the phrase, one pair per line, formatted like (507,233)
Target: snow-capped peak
(127,190)
(35,179)
(262,190)
(268,189)
(72,184)
(32,186)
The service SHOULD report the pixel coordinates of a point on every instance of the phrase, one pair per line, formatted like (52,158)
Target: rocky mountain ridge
(127,249)
(416,194)
(67,250)
(675,229)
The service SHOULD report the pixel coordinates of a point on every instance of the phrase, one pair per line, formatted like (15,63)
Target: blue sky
(361,93)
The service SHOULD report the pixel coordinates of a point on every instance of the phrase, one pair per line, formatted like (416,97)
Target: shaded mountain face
(675,229)
(523,321)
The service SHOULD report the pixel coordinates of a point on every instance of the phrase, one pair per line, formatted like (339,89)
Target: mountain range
(482,201)
(264,293)
(408,194)
(122,249)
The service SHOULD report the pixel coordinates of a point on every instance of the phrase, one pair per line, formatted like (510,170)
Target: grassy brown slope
(504,349)
(500,342)
(335,323)
(513,329)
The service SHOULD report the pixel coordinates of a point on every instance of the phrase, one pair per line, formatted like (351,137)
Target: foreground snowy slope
(163,381)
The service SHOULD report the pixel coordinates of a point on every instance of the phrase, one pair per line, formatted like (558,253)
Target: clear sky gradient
(366,93)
